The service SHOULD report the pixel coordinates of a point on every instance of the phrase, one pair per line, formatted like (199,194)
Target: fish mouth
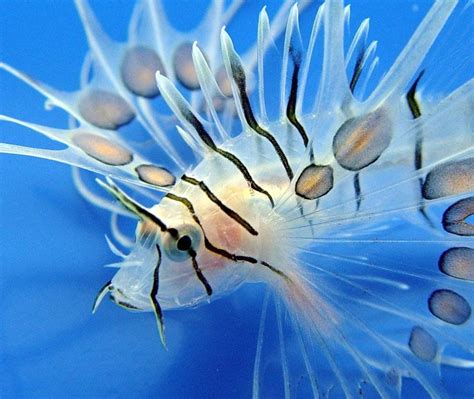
(117,296)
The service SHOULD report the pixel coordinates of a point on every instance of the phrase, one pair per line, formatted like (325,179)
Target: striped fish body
(231,216)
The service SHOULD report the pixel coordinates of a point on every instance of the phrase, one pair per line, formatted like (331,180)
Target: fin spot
(455,217)
(458,262)
(450,179)
(224,82)
(361,141)
(102,149)
(138,70)
(449,306)
(393,377)
(156,175)
(184,66)
(314,182)
(422,344)
(104,109)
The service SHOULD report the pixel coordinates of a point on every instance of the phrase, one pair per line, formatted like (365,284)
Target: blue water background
(52,242)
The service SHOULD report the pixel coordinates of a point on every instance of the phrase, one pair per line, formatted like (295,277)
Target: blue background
(52,242)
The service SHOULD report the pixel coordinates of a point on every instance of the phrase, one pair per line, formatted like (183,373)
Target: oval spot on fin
(224,82)
(449,179)
(449,306)
(422,344)
(155,175)
(105,109)
(184,66)
(393,377)
(454,218)
(138,71)
(314,182)
(361,141)
(458,262)
(102,149)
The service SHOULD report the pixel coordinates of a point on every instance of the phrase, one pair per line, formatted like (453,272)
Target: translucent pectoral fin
(97,150)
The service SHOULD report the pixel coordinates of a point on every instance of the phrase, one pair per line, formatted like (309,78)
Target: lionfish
(290,165)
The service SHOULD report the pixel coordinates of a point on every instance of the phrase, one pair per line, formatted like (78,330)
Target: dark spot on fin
(138,69)
(314,181)
(449,306)
(361,140)
(184,66)
(155,175)
(458,262)
(455,218)
(102,149)
(422,344)
(105,109)
(224,82)
(449,178)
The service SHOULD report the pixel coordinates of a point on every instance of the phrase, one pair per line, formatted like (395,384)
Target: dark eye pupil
(184,243)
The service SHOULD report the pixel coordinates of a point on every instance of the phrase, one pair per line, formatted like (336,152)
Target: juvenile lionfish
(350,199)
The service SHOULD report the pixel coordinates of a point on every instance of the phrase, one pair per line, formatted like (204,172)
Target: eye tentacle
(130,204)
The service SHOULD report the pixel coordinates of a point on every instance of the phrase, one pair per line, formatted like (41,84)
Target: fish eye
(184,243)
(177,246)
